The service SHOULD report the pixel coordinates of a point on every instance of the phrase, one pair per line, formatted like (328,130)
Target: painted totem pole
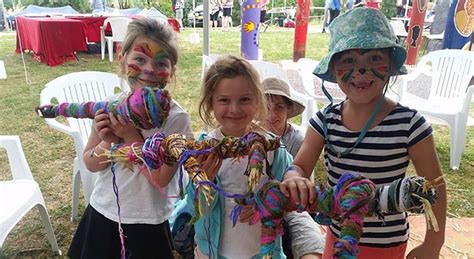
(249,33)
(415,31)
(301,30)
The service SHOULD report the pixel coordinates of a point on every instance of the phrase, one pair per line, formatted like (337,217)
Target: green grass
(50,153)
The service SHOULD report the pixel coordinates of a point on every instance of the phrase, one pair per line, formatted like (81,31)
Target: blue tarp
(152,12)
(453,37)
(34,9)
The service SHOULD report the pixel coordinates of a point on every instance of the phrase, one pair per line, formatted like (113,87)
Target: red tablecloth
(174,23)
(92,28)
(53,40)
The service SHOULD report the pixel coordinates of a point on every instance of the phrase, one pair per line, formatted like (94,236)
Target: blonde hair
(230,67)
(161,33)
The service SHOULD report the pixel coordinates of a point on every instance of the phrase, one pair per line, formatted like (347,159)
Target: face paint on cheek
(345,74)
(380,72)
(133,72)
(154,52)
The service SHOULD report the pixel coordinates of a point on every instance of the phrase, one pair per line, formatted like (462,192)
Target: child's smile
(147,65)
(234,105)
(362,74)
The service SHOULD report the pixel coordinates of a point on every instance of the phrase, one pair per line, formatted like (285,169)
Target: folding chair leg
(111,50)
(88,181)
(102,50)
(76,189)
(49,228)
(458,142)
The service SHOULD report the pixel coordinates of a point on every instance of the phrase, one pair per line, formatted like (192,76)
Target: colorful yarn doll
(175,148)
(353,198)
(145,107)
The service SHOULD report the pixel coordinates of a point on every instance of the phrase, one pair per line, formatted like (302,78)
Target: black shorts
(227,12)
(98,237)
(262,15)
(214,16)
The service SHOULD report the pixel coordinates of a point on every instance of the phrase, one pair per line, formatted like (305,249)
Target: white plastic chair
(450,94)
(119,27)
(268,69)
(207,61)
(19,195)
(79,87)
(313,84)
(430,37)
(399,30)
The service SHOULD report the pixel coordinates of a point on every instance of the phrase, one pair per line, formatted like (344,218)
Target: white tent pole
(205,27)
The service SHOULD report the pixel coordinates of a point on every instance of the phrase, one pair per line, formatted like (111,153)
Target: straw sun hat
(279,87)
(361,28)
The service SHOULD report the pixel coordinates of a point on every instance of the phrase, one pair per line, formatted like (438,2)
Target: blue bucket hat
(361,28)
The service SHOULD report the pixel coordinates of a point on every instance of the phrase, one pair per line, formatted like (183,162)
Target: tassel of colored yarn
(146,108)
(117,199)
(347,201)
(260,146)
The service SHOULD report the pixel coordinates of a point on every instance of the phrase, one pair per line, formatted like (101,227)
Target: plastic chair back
(399,28)
(313,84)
(451,72)
(18,164)
(119,27)
(79,87)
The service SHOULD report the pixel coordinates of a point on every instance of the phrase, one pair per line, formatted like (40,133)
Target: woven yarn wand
(146,108)
(175,148)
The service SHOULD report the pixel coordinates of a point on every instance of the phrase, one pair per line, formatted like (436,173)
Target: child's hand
(102,126)
(247,215)
(300,189)
(210,164)
(124,129)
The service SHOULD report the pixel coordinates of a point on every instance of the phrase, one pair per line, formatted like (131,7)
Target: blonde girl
(232,101)
(148,58)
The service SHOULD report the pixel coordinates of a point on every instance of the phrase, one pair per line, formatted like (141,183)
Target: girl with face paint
(368,133)
(135,225)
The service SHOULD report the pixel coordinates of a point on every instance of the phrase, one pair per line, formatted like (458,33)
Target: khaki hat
(277,86)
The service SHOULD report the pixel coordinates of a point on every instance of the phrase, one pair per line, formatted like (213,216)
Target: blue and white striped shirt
(381,156)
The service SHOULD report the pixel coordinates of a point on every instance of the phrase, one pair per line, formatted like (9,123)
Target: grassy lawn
(50,153)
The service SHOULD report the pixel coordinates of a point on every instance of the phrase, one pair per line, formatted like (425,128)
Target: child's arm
(100,139)
(296,181)
(161,177)
(425,160)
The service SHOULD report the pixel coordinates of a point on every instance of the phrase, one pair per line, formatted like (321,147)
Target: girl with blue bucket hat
(368,133)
